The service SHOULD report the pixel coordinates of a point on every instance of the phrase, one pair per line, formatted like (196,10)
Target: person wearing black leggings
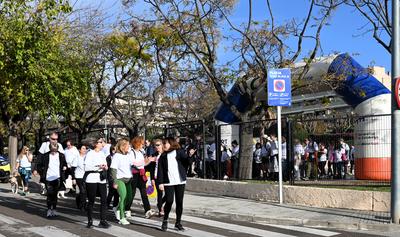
(79,172)
(171,175)
(95,163)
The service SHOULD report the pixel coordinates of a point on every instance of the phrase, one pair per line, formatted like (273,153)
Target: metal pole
(278,108)
(204,151)
(395,197)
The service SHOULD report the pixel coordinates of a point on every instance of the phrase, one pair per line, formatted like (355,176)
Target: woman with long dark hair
(79,171)
(171,175)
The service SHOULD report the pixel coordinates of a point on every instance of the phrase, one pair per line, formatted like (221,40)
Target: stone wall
(307,196)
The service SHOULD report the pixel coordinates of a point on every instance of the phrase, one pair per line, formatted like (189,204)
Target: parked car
(4,169)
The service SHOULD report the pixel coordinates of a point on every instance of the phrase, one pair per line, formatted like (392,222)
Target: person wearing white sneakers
(51,168)
(139,178)
(121,174)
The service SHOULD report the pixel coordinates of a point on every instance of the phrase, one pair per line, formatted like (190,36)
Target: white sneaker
(128,215)
(117,214)
(49,213)
(53,212)
(150,213)
(123,221)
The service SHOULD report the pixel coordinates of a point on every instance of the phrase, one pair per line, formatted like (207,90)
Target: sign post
(279,94)
(395,193)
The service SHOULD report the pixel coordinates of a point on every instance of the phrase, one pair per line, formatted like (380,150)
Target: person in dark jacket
(171,175)
(51,168)
(152,168)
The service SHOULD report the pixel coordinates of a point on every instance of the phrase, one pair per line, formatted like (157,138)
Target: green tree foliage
(41,69)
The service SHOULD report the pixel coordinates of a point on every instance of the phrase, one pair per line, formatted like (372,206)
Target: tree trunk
(1,144)
(12,146)
(246,151)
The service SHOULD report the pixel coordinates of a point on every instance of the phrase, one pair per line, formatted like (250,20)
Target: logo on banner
(279,85)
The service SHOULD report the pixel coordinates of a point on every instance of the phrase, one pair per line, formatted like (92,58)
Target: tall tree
(260,45)
(37,72)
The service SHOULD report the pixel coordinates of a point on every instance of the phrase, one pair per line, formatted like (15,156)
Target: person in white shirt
(257,162)
(235,159)
(139,178)
(51,169)
(172,178)
(95,165)
(121,174)
(323,159)
(298,153)
(24,168)
(71,153)
(79,172)
(44,148)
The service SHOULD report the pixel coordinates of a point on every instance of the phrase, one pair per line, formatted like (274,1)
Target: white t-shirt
(173,171)
(53,171)
(24,162)
(323,156)
(44,148)
(80,166)
(137,157)
(92,162)
(122,163)
(71,154)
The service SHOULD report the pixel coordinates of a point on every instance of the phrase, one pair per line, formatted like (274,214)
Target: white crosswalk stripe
(50,231)
(188,231)
(236,228)
(306,230)
(11,221)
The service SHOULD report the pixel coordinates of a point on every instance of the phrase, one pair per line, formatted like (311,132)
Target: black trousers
(112,195)
(171,191)
(81,197)
(160,198)
(91,191)
(52,190)
(138,182)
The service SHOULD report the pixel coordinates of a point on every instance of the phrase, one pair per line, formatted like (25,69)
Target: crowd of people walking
(113,172)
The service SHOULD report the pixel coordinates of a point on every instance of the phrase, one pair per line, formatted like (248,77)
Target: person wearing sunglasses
(44,148)
(152,168)
(95,182)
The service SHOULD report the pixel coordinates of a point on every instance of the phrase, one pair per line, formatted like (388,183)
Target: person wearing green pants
(122,176)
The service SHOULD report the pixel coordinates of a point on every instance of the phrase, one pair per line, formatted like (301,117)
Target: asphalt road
(25,216)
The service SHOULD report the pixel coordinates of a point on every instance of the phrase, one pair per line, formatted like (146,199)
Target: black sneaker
(164,226)
(179,227)
(89,224)
(104,224)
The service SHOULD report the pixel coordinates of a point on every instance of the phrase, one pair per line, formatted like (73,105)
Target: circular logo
(279,85)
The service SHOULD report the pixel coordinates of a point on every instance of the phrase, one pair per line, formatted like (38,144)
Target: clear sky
(342,35)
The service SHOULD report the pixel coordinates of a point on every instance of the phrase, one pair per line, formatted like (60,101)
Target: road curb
(293,221)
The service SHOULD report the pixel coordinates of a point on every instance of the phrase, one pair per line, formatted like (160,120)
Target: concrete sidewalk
(205,205)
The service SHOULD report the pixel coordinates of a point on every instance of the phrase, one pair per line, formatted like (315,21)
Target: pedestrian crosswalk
(70,223)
